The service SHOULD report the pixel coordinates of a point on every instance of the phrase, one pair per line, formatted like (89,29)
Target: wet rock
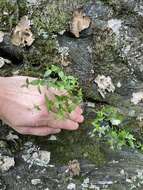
(2,185)
(120,169)
(116,52)
(112,46)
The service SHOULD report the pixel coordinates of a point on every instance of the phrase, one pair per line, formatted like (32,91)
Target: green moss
(105,44)
(49,18)
(74,145)
(23,8)
(93,153)
(8,15)
(44,55)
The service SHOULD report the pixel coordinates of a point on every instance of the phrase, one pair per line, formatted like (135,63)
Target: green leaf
(49,103)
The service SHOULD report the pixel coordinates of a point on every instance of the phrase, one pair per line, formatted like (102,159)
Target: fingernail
(57,130)
(81,119)
(76,126)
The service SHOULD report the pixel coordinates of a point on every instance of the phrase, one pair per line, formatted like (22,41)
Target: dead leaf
(74,168)
(64,61)
(22,34)
(1,36)
(79,22)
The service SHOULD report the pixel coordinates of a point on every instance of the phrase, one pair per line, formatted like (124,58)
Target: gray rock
(116,51)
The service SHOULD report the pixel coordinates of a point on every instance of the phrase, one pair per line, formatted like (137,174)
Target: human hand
(17,109)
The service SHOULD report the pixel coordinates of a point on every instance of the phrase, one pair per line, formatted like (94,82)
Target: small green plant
(107,127)
(70,97)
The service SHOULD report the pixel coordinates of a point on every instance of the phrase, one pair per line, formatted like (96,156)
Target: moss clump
(45,53)
(104,41)
(8,15)
(93,153)
(74,145)
(106,54)
(22,8)
(48,18)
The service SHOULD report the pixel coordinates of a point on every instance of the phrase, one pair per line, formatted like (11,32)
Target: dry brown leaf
(22,34)
(74,168)
(79,22)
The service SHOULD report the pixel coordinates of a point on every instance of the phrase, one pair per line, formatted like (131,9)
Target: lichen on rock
(6,162)
(137,97)
(105,85)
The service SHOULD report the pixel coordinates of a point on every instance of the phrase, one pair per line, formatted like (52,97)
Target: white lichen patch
(115,122)
(89,48)
(85,183)
(11,136)
(32,2)
(33,156)
(6,163)
(91,104)
(71,186)
(1,36)
(64,54)
(94,187)
(119,84)
(139,9)
(4,61)
(115,25)
(137,97)
(63,51)
(114,162)
(122,172)
(135,181)
(52,138)
(36,181)
(105,84)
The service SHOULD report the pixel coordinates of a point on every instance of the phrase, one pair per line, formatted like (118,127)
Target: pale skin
(17,109)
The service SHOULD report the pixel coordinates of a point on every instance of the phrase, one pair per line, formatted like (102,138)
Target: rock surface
(100,168)
(116,44)
(113,48)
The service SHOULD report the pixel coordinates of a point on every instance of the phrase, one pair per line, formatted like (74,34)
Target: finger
(40,131)
(79,110)
(58,92)
(76,117)
(53,122)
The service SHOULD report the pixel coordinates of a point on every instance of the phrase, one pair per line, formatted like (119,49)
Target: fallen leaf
(1,36)
(79,22)
(74,168)
(22,34)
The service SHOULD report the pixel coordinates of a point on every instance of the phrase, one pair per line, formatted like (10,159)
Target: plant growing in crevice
(107,128)
(70,96)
